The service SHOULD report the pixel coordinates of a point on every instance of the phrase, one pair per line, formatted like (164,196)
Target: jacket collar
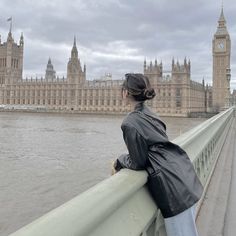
(139,106)
(144,109)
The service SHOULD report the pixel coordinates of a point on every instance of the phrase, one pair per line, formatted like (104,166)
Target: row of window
(57,93)
(66,93)
(220,61)
(14,63)
(60,101)
(85,102)
(37,102)
(2,80)
(3,62)
(109,101)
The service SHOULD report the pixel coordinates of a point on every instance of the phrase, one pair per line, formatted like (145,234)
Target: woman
(172,180)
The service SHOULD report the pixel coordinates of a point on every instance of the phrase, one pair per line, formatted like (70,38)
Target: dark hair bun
(149,93)
(138,87)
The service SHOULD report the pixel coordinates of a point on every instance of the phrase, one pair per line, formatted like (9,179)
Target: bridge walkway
(217,215)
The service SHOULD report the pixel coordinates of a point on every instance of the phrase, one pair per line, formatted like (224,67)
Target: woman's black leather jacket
(172,180)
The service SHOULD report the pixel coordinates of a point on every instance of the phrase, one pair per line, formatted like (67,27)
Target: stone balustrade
(121,204)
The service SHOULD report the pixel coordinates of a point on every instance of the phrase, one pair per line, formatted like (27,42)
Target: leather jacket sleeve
(138,150)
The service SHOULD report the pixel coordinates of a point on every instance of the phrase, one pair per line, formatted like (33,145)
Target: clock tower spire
(221,49)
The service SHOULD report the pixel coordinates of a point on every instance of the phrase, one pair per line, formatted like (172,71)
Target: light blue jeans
(182,224)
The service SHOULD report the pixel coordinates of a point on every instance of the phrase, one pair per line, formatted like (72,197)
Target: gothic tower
(50,74)
(221,47)
(75,75)
(153,71)
(181,72)
(11,60)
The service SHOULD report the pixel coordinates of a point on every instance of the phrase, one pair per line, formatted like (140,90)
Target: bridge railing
(121,204)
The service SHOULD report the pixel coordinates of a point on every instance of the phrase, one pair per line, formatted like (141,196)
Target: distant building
(177,94)
(11,60)
(221,49)
(50,74)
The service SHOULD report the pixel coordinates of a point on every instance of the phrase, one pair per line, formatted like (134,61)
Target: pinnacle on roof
(74,41)
(222,17)
(21,39)
(221,28)
(9,37)
(74,51)
(21,36)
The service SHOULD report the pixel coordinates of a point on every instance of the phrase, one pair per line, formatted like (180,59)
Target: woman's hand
(113,170)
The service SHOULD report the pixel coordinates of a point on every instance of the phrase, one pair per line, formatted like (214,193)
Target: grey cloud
(116,35)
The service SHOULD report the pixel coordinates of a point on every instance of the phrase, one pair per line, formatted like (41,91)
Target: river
(47,159)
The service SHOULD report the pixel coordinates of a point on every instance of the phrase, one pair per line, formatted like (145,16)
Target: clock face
(220,45)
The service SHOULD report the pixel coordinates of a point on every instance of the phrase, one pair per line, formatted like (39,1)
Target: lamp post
(228,77)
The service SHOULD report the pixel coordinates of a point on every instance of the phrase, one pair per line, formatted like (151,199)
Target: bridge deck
(218,212)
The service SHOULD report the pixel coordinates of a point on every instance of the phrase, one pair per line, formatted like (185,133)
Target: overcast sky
(114,36)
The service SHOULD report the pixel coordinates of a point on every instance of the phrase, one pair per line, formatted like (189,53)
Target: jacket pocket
(157,189)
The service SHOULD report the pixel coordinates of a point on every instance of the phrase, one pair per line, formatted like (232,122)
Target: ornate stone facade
(177,94)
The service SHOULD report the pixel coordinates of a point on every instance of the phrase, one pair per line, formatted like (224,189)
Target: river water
(47,159)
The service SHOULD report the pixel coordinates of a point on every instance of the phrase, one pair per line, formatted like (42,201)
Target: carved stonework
(221,50)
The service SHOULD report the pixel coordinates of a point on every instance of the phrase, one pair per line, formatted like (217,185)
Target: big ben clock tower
(221,47)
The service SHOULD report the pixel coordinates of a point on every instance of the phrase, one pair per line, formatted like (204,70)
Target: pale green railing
(121,205)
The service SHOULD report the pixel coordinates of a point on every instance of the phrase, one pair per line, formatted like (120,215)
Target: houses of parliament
(177,94)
